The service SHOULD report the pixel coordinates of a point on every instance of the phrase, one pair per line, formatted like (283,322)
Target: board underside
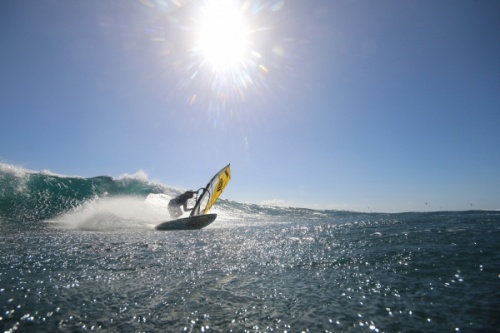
(188,223)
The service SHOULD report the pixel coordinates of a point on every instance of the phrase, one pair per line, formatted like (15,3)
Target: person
(174,205)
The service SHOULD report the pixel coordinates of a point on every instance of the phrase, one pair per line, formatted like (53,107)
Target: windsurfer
(174,205)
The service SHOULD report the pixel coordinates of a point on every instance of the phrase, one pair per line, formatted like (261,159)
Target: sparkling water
(83,255)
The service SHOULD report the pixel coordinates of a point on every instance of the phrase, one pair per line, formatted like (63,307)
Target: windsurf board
(188,223)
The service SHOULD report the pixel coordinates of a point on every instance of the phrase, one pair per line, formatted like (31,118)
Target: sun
(228,52)
(223,36)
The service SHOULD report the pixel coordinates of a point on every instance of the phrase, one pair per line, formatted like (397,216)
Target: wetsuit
(174,205)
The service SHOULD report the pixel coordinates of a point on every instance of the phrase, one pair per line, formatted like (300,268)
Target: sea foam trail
(118,213)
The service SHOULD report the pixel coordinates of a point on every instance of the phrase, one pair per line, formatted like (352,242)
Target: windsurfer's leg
(174,210)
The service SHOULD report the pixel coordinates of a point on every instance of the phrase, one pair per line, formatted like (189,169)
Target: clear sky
(359,105)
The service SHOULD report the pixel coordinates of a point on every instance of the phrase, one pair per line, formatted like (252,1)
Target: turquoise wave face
(31,196)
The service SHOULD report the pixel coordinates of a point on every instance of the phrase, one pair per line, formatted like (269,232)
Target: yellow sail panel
(217,185)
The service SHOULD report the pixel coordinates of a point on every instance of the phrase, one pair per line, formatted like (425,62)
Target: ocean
(81,254)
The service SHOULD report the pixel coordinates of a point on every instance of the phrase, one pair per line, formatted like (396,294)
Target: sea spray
(116,213)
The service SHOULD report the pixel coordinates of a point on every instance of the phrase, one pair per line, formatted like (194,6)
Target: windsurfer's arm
(185,206)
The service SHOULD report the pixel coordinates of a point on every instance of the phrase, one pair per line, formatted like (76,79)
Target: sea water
(82,255)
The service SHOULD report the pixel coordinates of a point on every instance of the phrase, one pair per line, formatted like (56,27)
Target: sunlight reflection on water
(294,276)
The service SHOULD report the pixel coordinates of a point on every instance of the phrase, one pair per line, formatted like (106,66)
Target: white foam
(117,213)
(17,171)
(20,172)
(139,175)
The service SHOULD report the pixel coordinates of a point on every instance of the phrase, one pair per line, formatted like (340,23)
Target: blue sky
(360,105)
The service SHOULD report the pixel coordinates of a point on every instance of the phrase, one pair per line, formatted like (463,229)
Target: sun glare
(229,54)
(222,38)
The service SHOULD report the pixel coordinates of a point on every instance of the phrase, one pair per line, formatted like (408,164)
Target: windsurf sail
(212,191)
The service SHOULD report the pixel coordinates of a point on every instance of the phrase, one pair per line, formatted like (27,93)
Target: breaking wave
(107,203)
(36,196)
